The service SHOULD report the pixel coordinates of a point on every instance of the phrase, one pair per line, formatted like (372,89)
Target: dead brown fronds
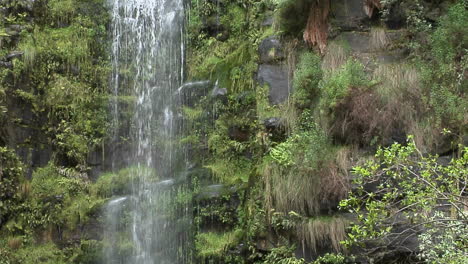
(15,243)
(316,32)
(379,39)
(322,232)
(370,6)
(335,57)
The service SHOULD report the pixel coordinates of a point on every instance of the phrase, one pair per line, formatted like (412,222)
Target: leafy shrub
(337,84)
(294,169)
(330,259)
(120,183)
(282,255)
(307,76)
(47,254)
(445,73)
(214,245)
(426,197)
(11,176)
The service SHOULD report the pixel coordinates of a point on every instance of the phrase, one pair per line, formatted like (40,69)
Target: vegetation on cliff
(285,190)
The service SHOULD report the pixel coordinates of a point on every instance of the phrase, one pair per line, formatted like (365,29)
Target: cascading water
(147,56)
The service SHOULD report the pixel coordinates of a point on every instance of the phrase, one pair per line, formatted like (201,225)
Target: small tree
(402,196)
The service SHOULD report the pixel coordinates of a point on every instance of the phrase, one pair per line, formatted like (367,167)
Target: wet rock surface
(271,50)
(277,79)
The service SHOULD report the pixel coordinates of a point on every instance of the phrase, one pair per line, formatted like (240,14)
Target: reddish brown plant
(316,32)
(371,5)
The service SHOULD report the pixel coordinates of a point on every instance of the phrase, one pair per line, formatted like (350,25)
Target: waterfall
(147,58)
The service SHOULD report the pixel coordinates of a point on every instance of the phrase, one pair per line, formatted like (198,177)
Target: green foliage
(282,255)
(215,245)
(120,183)
(302,148)
(63,72)
(292,171)
(448,246)
(415,189)
(11,176)
(337,84)
(330,259)
(47,254)
(445,72)
(306,80)
(88,252)
(292,16)
(231,61)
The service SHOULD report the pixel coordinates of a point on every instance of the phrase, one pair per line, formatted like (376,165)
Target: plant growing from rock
(403,196)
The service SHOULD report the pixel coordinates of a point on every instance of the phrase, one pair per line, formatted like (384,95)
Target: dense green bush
(120,183)
(307,77)
(62,72)
(427,198)
(445,73)
(337,84)
(11,177)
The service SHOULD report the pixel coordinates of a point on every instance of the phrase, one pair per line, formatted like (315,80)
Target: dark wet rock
(6,64)
(394,56)
(348,14)
(218,93)
(268,22)
(14,54)
(214,28)
(238,133)
(277,78)
(192,90)
(444,160)
(271,50)
(215,191)
(358,42)
(272,123)
(396,17)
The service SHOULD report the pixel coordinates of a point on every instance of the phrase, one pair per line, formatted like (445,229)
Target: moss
(47,254)
(215,245)
(120,183)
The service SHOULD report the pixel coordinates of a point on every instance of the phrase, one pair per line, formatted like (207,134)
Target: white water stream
(147,58)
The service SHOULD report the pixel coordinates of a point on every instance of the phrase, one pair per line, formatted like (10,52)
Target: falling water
(147,57)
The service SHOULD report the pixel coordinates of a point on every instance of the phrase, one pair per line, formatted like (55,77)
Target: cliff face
(310,90)
(287,97)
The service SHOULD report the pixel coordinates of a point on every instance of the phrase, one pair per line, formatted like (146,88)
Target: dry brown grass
(291,190)
(390,108)
(322,232)
(15,243)
(316,32)
(289,116)
(305,190)
(25,189)
(379,39)
(335,56)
